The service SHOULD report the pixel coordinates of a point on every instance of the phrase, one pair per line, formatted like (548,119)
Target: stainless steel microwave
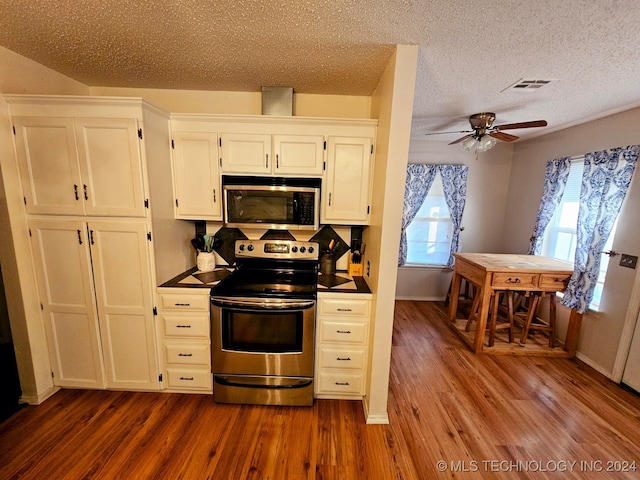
(271,202)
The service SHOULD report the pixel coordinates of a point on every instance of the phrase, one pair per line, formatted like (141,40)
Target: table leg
(456,280)
(481,323)
(573,333)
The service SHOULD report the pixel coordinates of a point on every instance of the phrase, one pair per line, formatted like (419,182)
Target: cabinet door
(298,154)
(48,165)
(61,254)
(346,187)
(245,153)
(121,269)
(111,166)
(197,176)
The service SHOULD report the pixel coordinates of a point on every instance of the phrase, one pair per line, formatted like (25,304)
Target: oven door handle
(262,304)
(289,384)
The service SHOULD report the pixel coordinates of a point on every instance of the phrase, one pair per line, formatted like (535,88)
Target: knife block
(354,269)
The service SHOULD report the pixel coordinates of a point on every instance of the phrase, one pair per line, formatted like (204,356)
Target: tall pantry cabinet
(85,179)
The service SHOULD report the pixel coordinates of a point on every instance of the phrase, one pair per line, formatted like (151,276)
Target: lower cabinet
(95,285)
(342,343)
(184,339)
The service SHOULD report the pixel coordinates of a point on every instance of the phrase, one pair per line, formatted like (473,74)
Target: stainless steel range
(263,324)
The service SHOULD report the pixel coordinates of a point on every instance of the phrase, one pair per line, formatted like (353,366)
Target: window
(560,238)
(429,234)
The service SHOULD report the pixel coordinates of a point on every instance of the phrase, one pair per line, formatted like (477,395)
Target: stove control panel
(284,249)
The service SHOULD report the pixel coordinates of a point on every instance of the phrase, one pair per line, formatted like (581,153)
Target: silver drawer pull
(186,378)
(344,309)
(183,326)
(345,384)
(185,354)
(346,359)
(513,280)
(182,304)
(343,331)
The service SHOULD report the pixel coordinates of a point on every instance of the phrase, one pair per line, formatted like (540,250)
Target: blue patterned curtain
(454,181)
(419,180)
(555,179)
(606,179)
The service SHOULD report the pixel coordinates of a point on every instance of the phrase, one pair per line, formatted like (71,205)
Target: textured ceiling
(470,50)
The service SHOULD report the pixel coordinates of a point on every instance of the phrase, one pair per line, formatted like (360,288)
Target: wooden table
(493,272)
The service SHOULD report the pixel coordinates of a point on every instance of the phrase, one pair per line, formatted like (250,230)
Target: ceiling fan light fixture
(486,142)
(469,144)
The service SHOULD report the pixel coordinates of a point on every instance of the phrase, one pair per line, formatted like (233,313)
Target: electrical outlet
(628,261)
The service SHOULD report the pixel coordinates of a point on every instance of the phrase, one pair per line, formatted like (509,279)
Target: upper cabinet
(337,150)
(81,166)
(265,154)
(196,175)
(346,188)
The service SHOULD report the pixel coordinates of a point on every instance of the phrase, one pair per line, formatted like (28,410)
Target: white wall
(487,190)
(243,103)
(393,106)
(21,75)
(601,332)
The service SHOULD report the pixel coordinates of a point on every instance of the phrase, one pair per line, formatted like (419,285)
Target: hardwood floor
(484,416)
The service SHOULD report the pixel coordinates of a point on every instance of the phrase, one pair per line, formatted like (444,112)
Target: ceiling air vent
(529,84)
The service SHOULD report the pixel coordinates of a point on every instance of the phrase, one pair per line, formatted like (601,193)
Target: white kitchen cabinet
(184,339)
(95,287)
(298,154)
(342,342)
(67,297)
(80,166)
(266,154)
(346,187)
(196,174)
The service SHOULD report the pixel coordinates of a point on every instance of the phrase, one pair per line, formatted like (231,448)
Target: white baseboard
(38,399)
(595,366)
(380,419)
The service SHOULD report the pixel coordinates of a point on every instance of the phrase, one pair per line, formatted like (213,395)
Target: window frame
(554,228)
(436,190)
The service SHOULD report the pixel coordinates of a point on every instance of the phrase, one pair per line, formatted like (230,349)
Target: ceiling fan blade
(443,133)
(512,126)
(461,139)
(505,137)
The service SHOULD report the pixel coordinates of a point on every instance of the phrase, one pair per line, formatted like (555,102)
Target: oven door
(262,337)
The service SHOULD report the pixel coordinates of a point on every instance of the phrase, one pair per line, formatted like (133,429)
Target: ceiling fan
(484,134)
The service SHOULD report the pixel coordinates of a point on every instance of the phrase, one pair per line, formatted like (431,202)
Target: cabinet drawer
(195,378)
(334,306)
(344,332)
(170,301)
(350,358)
(554,282)
(190,353)
(515,281)
(340,382)
(186,325)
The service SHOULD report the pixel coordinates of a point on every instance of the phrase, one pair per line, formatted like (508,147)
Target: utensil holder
(327,264)
(206,261)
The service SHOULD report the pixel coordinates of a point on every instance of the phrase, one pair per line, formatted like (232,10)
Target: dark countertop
(339,282)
